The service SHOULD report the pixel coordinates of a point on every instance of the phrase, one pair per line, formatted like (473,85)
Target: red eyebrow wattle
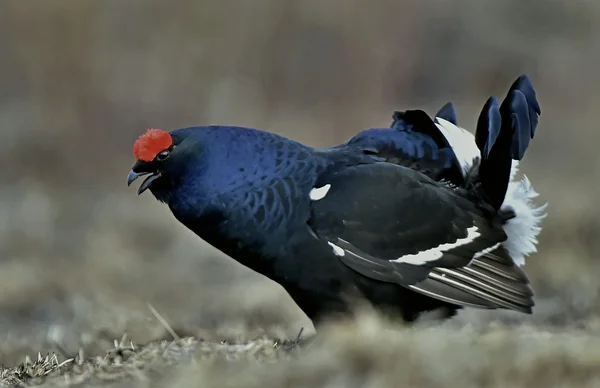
(148,145)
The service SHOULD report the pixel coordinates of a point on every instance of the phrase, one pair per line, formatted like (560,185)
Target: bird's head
(204,161)
(162,156)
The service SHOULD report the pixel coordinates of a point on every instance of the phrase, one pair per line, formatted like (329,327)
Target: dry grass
(126,361)
(367,352)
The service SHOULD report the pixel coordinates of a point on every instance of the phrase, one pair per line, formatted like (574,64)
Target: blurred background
(81,255)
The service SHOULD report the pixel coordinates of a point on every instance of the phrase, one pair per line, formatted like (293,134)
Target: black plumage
(351,221)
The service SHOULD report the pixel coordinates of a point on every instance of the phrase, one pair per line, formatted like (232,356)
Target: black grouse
(354,221)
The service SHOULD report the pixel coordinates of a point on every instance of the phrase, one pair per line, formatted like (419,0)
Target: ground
(366,352)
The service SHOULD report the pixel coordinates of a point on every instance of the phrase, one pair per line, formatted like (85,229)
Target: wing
(392,223)
(491,280)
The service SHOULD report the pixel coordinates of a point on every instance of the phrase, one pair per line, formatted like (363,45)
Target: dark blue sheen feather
(418,121)
(520,123)
(448,113)
(523,83)
(522,109)
(411,144)
(413,140)
(488,126)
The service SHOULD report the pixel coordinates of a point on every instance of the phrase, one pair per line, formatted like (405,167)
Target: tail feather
(489,124)
(524,85)
(493,137)
(514,108)
(503,134)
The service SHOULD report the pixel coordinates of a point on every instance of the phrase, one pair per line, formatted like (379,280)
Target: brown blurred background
(81,255)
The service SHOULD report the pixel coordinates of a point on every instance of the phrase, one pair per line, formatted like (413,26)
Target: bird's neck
(255,210)
(234,232)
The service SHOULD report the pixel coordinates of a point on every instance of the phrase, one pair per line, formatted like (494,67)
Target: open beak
(132,176)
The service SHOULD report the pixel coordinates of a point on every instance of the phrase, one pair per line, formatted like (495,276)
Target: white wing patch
(486,250)
(318,193)
(436,253)
(521,231)
(337,250)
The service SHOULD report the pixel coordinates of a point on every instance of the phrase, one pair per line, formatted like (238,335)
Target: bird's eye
(162,155)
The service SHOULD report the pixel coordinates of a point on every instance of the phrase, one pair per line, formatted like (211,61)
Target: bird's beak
(132,176)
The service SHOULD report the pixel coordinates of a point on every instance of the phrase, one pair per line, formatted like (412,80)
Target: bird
(346,223)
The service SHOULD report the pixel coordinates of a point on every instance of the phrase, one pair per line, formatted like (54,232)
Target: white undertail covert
(522,230)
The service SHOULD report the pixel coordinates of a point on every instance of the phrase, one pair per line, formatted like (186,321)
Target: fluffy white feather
(521,231)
